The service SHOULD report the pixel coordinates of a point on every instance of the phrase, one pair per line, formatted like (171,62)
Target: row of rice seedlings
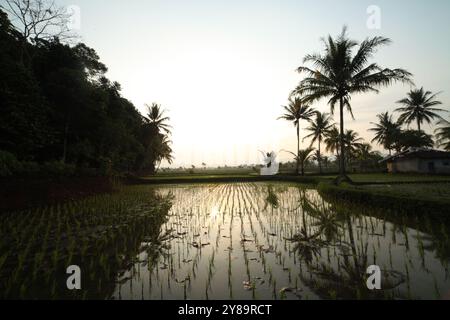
(42,241)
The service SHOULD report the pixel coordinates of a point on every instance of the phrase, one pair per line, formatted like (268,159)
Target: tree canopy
(58,105)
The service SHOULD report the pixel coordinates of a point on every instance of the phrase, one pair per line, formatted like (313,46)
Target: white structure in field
(270,167)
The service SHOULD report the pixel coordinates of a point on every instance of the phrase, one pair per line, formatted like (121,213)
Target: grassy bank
(396,199)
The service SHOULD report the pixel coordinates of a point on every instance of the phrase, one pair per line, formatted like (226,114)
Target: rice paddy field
(220,241)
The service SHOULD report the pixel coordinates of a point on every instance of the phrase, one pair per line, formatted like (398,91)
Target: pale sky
(223,69)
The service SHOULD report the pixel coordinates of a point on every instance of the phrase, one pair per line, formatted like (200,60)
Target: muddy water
(280,241)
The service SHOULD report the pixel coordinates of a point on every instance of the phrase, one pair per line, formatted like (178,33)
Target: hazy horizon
(223,70)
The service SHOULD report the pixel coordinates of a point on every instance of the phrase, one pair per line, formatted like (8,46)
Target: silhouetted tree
(338,74)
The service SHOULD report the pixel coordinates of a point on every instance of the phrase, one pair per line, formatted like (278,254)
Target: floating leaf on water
(183,281)
(195,245)
(248,285)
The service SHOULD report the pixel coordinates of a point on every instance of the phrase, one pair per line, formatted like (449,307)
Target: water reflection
(224,241)
(103,235)
(259,241)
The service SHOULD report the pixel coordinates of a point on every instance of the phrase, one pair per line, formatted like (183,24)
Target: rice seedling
(139,243)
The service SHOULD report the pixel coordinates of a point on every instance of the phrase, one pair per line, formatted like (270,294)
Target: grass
(435,192)
(397,198)
(397,178)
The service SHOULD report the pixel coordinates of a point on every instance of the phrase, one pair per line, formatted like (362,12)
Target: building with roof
(419,161)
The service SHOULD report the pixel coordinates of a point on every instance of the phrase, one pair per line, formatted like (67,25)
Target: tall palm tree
(339,73)
(163,150)
(443,134)
(319,128)
(352,142)
(333,141)
(364,153)
(296,111)
(419,106)
(156,118)
(386,131)
(156,131)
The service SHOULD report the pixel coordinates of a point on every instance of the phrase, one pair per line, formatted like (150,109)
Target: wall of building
(406,165)
(440,165)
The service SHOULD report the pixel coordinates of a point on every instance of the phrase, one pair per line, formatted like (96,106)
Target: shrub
(58,169)
(9,164)
(29,169)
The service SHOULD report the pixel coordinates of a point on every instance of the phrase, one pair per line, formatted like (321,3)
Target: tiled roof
(419,153)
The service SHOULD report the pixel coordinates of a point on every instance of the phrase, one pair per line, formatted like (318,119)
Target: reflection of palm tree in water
(307,244)
(272,198)
(348,278)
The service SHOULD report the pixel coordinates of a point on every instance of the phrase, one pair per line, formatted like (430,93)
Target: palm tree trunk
(298,148)
(341,140)
(352,243)
(418,124)
(320,159)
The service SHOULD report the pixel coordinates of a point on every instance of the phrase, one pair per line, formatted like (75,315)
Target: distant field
(206,172)
(198,176)
(359,178)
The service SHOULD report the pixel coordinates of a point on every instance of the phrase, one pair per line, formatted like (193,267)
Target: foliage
(419,106)
(413,139)
(59,108)
(340,72)
(386,131)
(443,134)
(319,128)
(296,111)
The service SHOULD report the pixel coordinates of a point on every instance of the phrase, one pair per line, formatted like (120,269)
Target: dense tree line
(58,106)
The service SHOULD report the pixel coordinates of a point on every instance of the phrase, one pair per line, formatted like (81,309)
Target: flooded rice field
(259,241)
(221,241)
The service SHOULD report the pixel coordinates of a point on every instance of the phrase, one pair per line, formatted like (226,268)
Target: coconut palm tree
(332,141)
(419,106)
(409,139)
(364,153)
(319,128)
(340,72)
(302,157)
(386,131)
(352,143)
(443,134)
(156,141)
(164,150)
(156,118)
(295,112)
